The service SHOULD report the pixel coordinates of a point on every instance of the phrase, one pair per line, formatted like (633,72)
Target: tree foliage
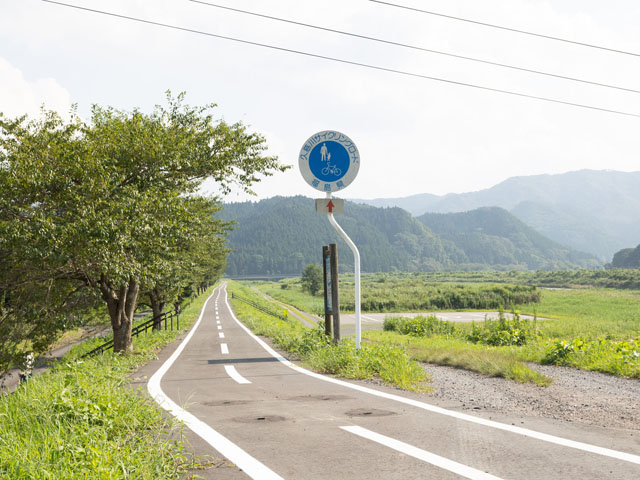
(109,207)
(312,278)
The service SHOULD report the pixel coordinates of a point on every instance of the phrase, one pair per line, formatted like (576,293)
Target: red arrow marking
(330,206)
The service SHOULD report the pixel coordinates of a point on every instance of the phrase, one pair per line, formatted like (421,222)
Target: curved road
(275,420)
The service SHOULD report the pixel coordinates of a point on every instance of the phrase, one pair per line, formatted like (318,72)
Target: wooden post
(335,298)
(326,276)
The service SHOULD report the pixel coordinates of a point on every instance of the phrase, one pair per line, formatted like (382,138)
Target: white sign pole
(356,262)
(329,161)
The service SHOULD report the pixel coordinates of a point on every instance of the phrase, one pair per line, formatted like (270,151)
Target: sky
(414,135)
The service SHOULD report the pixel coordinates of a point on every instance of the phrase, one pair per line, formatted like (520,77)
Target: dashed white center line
(219,327)
(233,373)
(432,458)
(224,349)
(221,334)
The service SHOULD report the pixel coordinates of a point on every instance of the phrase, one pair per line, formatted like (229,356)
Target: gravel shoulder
(589,398)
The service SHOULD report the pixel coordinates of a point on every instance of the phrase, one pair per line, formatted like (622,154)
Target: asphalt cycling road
(273,419)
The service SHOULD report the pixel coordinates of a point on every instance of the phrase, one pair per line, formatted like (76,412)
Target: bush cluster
(410,295)
(503,331)
(420,326)
(620,357)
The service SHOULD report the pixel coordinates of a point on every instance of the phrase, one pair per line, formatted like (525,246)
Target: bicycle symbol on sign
(326,157)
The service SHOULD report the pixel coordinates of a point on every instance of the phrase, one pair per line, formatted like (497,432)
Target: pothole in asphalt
(260,419)
(319,398)
(369,412)
(225,403)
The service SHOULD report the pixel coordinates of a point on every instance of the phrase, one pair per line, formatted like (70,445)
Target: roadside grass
(589,328)
(293,295)
(390,363)
(455,352)
(80,421)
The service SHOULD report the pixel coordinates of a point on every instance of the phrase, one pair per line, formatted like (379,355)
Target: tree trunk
(157,307)
(121,305)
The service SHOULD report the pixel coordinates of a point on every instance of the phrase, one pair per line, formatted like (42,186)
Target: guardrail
(259,307)
(165,319)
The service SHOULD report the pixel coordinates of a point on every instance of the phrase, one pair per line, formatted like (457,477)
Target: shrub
(504,331)
(420,326)
(600,354)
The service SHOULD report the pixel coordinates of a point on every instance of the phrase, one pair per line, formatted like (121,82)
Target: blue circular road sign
(329,161)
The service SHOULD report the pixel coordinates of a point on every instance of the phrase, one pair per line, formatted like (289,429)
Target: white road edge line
(627,457)
(224,349)
(252,467)
(432,458)
(233,373)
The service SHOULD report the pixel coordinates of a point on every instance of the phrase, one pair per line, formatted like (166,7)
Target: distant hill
(281,235)
(568,226)
(414,204)
(588,210)
(627,258)
(493,236)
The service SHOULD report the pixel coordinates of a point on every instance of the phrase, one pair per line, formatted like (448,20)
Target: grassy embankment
(592,328)
(390,363)
(80,421)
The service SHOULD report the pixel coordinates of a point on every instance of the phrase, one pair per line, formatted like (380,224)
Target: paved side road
(275,420)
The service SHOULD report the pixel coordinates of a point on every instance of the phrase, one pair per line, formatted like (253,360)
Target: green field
(406,293)
(587,327)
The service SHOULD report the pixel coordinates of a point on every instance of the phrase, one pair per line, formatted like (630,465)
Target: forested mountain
(627,258)
(281,235)
(493,236)
(588,210)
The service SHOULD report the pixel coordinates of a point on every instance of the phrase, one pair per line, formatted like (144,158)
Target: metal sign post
(335,292)
(326,272)
(329,161)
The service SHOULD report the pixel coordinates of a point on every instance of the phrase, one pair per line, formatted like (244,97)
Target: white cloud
(19,96)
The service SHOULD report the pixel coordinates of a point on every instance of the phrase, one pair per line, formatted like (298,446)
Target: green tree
(106,201)
(312,278)
(195,262)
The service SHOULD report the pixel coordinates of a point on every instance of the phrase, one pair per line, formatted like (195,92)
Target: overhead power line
(343,61)
(509,29)
(414,47)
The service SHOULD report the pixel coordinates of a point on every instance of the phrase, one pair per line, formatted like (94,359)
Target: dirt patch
(576,395)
